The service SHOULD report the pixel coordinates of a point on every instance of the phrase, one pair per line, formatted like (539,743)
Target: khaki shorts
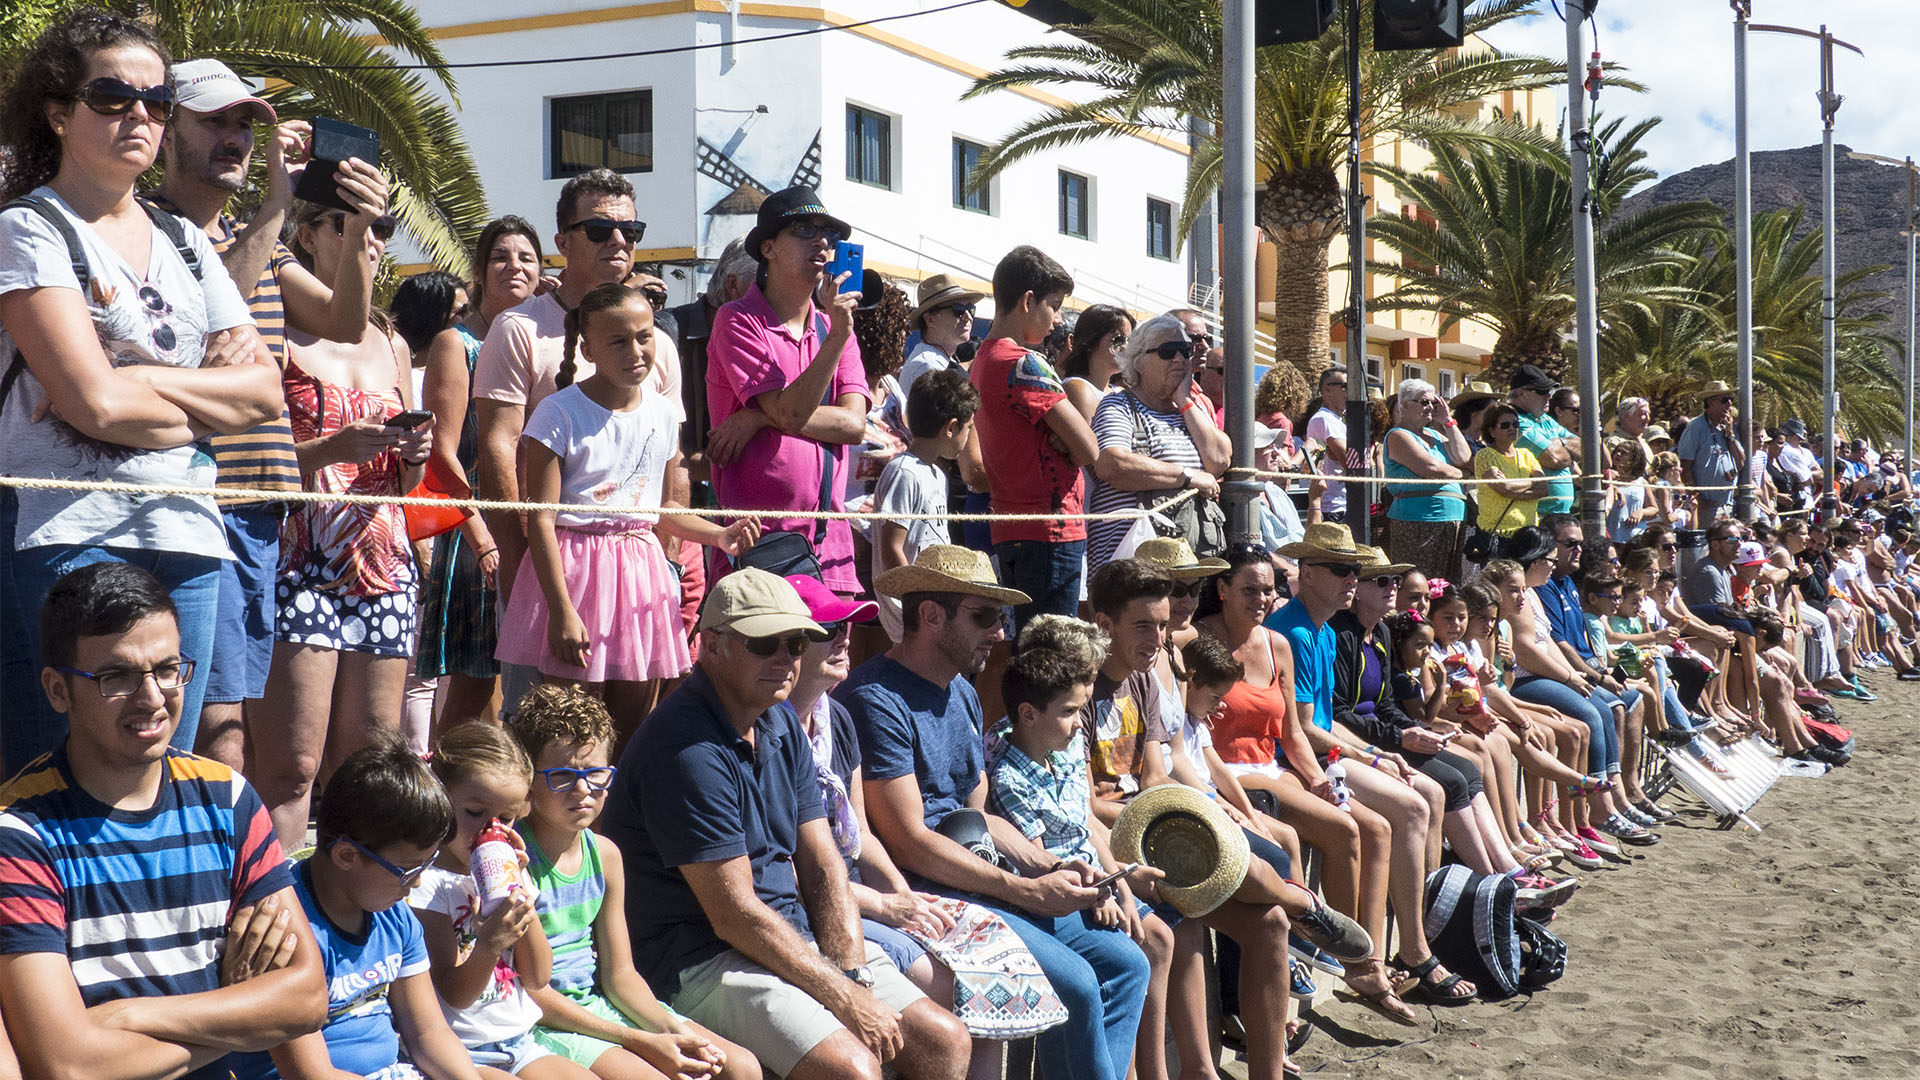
(780,1023)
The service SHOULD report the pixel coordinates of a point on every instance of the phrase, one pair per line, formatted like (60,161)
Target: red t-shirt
(1027,475)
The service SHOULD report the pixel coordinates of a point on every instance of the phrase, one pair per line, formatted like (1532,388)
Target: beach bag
(1470,927)
(1543,956)
(1832,736)
(999,991)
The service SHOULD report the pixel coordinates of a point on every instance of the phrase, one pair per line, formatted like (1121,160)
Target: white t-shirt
(606,458)
(167,327)
(908,485)
(504,1009)
(1323,425)
(526,345)
(1185,735)
(922,359)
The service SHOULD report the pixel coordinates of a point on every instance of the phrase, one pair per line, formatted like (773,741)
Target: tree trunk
(1301,213)
(1540,347)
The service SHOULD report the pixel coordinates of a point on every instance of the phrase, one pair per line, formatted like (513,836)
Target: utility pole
(1742,256)
(1237,312)
(1360,433)
(1913,224)
(1586,331)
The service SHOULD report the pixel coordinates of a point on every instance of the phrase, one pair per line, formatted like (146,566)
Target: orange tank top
(1251,718)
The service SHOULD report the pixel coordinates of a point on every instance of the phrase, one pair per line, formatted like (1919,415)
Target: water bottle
(495,866)
(1337,779)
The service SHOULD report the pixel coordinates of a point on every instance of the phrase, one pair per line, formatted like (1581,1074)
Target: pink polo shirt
(751,352)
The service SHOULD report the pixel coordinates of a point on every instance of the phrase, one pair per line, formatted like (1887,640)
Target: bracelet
(484,554)
(1452,422)
(1376,761)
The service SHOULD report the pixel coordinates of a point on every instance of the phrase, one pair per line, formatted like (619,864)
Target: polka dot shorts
(309,615)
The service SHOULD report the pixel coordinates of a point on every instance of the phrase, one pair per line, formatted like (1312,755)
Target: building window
(1373,370)
(1446,384)
(1412,371)
(1159,229)
(966,158)
(613,131)
(1074,209)
(869,147)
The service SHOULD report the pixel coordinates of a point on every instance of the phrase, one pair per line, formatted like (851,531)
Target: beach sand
(1784,954)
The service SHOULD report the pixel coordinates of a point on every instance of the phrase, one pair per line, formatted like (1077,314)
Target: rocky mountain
(1870,208)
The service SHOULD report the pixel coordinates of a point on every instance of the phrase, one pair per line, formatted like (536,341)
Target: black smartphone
(334,141)
(1115,876)
(410,419)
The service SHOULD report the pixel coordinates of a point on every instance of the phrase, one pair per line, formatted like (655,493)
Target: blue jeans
(1594,710)
(1048,572)
(32,726)
(1101,977)
(243,639)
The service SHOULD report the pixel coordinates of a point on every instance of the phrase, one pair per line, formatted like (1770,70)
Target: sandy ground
(1787,953)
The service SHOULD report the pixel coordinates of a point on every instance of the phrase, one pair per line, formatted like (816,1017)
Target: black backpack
(1470,927)
(1543,956)
(173,227)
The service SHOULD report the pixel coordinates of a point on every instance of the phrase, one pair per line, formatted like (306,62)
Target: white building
(870,114)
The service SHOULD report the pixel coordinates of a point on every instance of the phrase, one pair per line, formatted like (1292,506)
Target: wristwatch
(862,975)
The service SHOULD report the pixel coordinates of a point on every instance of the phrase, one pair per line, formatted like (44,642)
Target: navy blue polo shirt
(1560,598)
(691,790)
(911,727)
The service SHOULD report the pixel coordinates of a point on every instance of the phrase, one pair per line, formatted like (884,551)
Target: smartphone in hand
(334,141)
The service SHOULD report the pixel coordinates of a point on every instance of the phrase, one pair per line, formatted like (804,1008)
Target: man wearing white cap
(737,898)
(207,147)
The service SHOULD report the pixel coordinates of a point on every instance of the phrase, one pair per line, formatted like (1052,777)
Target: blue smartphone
(849,259)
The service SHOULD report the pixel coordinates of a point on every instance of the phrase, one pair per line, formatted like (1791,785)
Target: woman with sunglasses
(1428,520)
(1155,436)
(1093,356)
(1510,500)
(343,631)
(119,357)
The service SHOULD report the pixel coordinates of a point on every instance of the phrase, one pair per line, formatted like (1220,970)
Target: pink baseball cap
(1751,554)
(826,606)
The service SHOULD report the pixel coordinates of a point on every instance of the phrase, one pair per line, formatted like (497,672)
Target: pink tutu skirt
(625,593)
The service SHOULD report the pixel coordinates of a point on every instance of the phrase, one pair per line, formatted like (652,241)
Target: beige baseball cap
(209,86)
(754,603)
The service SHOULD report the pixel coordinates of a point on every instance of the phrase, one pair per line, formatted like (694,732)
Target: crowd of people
(795,777)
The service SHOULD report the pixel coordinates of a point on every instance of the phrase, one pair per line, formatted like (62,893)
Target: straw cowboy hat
(1176,557)
(940,290)
(1373,563)
(1475,391)
(948,568)
(1180,832)
(1716,388)
(1326,542)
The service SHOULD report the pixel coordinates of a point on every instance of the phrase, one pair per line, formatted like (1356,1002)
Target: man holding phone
(207,148)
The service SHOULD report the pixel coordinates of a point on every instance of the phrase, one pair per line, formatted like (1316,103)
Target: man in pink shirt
(785,386)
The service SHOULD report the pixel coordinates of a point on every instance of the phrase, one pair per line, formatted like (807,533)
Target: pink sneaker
(1592,838)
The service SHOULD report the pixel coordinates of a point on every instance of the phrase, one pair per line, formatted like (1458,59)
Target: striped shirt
(1122,420)
(137,900)
(262,457)
(568,906)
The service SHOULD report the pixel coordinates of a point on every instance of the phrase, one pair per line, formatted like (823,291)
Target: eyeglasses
(1341,385)
(835,629)
(1505,425)
(1386,581)
(598,778)
(795,644)
(1188,589)
(986,618)
(462,311)
(407,875)
(383,226)
(960,311)
(1569,543)
(1339,569)
(1203,338)
(600,230)
(126,682)
(112,97)
(814,230)
(1170,349)
(1669,547)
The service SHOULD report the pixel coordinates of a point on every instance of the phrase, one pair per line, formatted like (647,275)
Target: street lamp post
(1829,105)
(1237,269)
(1913,225)
(1742,256)
(1585,325)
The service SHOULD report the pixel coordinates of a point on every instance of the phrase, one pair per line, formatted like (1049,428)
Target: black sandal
(1438,993)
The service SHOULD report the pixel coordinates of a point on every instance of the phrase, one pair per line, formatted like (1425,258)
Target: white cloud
(1682,51)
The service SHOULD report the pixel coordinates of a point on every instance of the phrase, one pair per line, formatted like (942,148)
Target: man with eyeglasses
(785,384)
(131,873)
(1557,448)
(206,149)
(738,903)
(1710,452)
(921,728)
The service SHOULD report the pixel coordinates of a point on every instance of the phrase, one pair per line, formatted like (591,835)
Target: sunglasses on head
(1170,349)
(795,644)
(112,97)
(814,230)
(382,227)
(599,230)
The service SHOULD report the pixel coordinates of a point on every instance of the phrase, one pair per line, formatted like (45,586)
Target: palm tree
(318,60)
(1146,66)
(1664,355)
(1495,246)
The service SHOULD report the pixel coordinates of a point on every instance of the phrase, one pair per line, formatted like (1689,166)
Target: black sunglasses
(1189,589)
(112,97)
(599,230)
(1119,340)
(986,618)
(835,629)
(1505,425)
(1339,569)
(383,226)
(795,644)
(961,311)
(1170,349)
(814,230)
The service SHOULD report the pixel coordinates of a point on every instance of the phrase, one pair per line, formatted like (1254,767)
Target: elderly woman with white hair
(1426,521)
(1153,441)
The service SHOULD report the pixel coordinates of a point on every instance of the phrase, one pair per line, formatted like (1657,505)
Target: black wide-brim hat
(785,206)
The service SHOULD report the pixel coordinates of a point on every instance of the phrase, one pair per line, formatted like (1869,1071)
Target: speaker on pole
(1286,22)
(1417,24)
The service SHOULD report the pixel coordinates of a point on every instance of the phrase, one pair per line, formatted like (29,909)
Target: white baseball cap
(209,86)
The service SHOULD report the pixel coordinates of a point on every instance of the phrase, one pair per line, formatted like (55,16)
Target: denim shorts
(511,1055)
(243,638)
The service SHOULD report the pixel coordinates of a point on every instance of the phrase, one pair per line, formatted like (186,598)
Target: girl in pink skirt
(606,609)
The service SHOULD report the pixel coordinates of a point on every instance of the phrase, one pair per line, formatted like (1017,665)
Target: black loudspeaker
(1285,22)
(1417,24)
(1053,12)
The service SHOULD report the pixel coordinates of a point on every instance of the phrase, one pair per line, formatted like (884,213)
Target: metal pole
(1359,409)
(1742,256)
(1913,224)
(1829,104)
(1585,325)
(1237,309)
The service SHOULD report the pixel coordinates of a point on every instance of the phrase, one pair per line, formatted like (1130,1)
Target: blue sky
(1682,50)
